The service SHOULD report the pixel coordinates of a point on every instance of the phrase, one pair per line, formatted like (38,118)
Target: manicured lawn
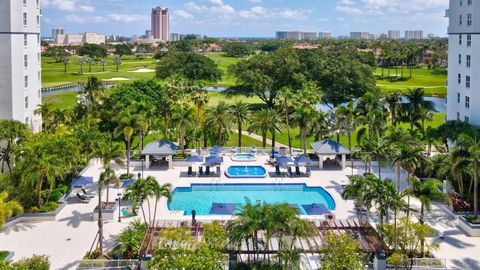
(61,100)
(433,83)
(53,73)
(223,62)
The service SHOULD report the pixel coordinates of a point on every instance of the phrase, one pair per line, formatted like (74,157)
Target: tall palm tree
(416,106)
(241,114)
(146,118)
(137,195)
(65,62)
(219,118)
(89,61)
(200,99)
(286,102)
(93,90)
(347,116)
(426,192)
(302,118)
(403,155)
(117,61)
(127,123)
(320,126)
(103,62)
(81,62)
(159,191)
(394,103)
(183,119)
(108,152)
(12,132)
(264,121)
(475,159)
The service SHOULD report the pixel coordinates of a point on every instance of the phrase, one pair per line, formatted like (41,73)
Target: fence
(422,264)
(109,264)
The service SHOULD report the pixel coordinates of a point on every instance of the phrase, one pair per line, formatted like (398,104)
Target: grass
(61,100)
(223,61)
(53,73)
(433,83)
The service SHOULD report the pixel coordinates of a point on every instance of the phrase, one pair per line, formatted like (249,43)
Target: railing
(109,264)
(423,264)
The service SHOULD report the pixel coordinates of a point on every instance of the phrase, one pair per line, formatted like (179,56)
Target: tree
(264,121)
(302,117)
(240,112)
(128,242)
(394,103)
(89,61)
(81,62)
(92,50)
(192,66)
(65,62)
(117,61)
(416,106)
(237,49)
(286,97)
(137,194)
(183,119)
(404,155)
(58,53)
(123,49)
(93,90)
(127,123)
(12,132)
(103,62)
(219,118)
(346,115)
(341,252)
(159,191)
(8,208)
(426,192)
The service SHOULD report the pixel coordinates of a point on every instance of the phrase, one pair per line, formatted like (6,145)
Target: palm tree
(127,123)
(320,126)
(302,117)
(416,106)
(241,114)
(286,97)
(81,62)
(117,61)
(200,99)
(103,62)
(108,152)
(347,116)
(264,121)
(403,155)
(92,89)
(8,208)
(426,192)
(137,195)
(475,159)
(183,119)
(89,61)
(219,118)
(394,103)
(12,132)
(159,191)
(66,62)
(128,242)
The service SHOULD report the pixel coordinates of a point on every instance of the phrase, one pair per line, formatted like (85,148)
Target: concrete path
(259,138)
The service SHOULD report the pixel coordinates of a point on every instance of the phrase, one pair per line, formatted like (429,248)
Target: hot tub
(243,157)
(246,172)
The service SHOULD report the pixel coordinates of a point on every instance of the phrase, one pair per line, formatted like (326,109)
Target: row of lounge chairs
(291,173)
(85,196)
(200,173)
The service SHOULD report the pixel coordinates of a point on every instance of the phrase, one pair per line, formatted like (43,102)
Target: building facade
(160,24)
(20,69)
(80,39)
(56,32)
(413,34)
(325,35)
(394,34)
(295,35)
(464,61)
(359,35)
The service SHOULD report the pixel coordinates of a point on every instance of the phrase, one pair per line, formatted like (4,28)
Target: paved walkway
(259,138)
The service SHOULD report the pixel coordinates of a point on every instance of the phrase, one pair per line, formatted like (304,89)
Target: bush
(126,176)
(3,255)
(34,209)
(34,263)
(49,207)
(473,219)
(62,188)
(55,195)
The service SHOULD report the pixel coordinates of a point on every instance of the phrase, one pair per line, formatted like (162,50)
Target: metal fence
(423,264)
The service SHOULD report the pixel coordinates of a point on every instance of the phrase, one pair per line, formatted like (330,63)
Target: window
(458,97)
(26,81)
(469,19)
(39,93)
(459,78)
(38,39)
(38,3)
(469,60)
(461,2)
(469,2)
(458,116)
(24,2)
(459,39)
(39,75)
(26,102)
(460,19)
(24,19)
(38,57)
(25,40)
(467,120)
(38,21)
(26,120)
(467,81)
(25,61)
(459,59)
(467,102)
(469,40)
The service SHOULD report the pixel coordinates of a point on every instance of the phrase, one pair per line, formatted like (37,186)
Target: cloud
(126,18)
(182,14)
(255,1)
(69,5)
(109,18)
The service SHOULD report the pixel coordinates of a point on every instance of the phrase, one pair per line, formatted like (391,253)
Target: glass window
(26,102)
(469,19)
(469,40)
(25,61)
(458,97)
(459,59)
(469,60)
(461,2)
(24,2)
(38,21)
(460,19)
(467,102)
(26,120)
(25,40)
(459,39)
(26,81)
(467,81)
(459,78)
(24,19)
(458,116)
(467,119)
(469,2)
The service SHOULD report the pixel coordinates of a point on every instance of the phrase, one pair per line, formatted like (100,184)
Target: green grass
(61,100)
(223,61)
(53,73)
(433,83)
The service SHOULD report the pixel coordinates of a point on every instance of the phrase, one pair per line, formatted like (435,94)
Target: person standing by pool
(194,213)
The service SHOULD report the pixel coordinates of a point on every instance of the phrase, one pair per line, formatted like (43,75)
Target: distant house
(304,46)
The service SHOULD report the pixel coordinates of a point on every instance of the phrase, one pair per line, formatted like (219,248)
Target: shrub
(62,188)
(35,263)
(473,219)
(460,205)
(3,255)
(126,176)
(34,209)
(55,195)
(49,207)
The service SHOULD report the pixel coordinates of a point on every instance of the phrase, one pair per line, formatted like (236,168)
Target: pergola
(163,149)
(330,147)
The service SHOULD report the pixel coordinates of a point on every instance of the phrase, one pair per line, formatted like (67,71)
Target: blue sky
(245,18)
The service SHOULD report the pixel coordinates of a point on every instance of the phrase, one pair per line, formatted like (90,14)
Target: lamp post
(119,207)
(290,145)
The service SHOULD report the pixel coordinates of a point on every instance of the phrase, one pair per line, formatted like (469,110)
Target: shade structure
(303,160)
(216,150)
(315,209)
(195,159)
(127,183)
(82,181)
(213,160)
(284,160)
(222,209)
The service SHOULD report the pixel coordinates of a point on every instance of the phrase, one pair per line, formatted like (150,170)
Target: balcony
(447,13)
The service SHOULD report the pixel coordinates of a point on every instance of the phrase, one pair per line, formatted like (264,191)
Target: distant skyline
(246,18)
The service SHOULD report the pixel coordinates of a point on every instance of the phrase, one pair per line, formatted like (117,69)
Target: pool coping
(251,184)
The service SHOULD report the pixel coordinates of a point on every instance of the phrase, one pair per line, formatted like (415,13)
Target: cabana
(330,148)
(163,149)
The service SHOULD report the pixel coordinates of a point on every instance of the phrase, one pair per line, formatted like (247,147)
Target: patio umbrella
(213,160)
(82,181)
(195,159)
(216,150)
(222,209)
(315,209)
(303,160)
(127,183)
(284,160)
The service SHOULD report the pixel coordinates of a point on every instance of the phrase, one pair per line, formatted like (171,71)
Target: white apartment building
(463,101)
(413,34)
(359,35)
(20,68)
(394,34)
(80,39)
(325,35)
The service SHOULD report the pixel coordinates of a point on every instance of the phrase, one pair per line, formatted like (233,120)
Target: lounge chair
(297,171)
(289,172)
(126,213)
(200,171)
(83,198)
(277,170)
(218,171)
(190,172)
(88,194)
(207,171)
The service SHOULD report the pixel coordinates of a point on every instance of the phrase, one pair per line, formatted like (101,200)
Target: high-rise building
(174,36)
(20,77)
(359,35)
(296,35)
(160,24)
(309,35)
(464,61)
(325,35)
(394,34)
(413,34)
(56,32)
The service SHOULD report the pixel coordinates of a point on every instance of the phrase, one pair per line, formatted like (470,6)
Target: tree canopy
(192,66)
(237,49)
(92,50)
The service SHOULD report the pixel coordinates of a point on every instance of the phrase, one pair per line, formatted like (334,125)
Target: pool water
(201,196)
(243,157)
(246,172)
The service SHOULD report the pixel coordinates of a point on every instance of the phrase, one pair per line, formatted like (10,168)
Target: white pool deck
(69,237)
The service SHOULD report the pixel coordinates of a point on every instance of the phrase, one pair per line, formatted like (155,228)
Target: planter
(472,230)
(108,213)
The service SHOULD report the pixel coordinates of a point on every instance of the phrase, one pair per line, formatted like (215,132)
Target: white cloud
(182,14)
(126,18)
(69,5)
(255,1)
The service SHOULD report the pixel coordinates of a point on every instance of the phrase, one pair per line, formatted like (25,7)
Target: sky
(246,18)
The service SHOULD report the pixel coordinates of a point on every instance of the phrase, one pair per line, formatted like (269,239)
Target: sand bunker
(142,70)
(116,79)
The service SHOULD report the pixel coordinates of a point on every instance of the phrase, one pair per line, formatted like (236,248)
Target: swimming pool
(243,157)
(201,196)
(246,172)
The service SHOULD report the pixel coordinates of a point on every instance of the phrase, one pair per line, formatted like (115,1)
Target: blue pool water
(246,172)
(201,196)
(243,157)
